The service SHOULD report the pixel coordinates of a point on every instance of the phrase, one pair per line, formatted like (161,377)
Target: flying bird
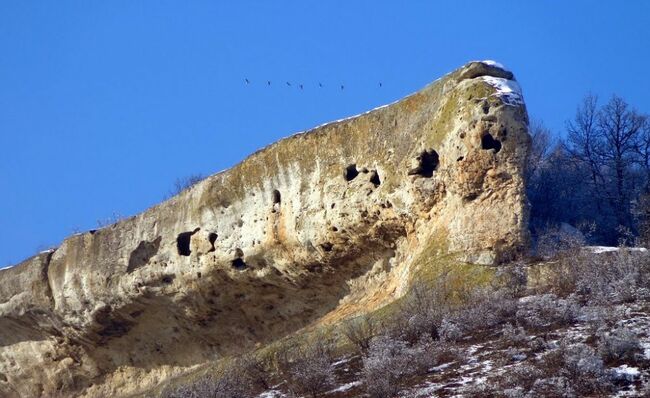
(268,82)
(288,84)
(342,87)
(320,84)
(379,84)
(247,81)
(301,86)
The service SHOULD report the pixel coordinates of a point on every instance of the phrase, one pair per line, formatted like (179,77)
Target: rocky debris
(314,228)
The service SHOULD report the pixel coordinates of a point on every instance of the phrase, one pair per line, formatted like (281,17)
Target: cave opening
(276,197)
(239,264)
(428,162)
(351,172)
(489,142)
(374,178)
(212,237)
(183,242)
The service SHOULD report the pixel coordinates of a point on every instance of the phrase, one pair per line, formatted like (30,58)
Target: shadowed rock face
(314,228)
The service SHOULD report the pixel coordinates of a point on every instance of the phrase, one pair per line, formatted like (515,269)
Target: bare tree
(541,147)
(611,145)
(184,183)
(620,128)
(584,141)
(643,151)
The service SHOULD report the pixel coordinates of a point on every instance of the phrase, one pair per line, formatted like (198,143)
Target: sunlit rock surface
(314,228)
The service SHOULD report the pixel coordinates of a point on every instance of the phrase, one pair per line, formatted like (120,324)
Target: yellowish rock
(317,227)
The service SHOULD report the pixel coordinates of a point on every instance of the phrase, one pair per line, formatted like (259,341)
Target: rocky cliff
(314,228)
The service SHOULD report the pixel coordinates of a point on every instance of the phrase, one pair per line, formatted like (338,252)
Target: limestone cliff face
(313,228)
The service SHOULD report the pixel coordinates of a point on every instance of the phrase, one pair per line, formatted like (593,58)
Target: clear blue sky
(103,104)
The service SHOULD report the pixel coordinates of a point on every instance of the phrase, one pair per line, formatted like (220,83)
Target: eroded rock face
(313,228)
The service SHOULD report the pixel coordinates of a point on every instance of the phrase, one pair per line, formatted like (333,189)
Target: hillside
(320,227)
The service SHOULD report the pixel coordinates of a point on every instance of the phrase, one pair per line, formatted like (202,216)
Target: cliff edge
(317,227)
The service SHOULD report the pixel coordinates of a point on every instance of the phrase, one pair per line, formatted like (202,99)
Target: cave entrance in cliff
(276,199)
(428,162)
(239,264)
(183,242)
(374,178)
(489,142)
(351,172)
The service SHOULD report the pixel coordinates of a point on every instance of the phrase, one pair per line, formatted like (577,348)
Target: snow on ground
(345,387)
(608,249)
(272,394)
(627,372)
(342,361)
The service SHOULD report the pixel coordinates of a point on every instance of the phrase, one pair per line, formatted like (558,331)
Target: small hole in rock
(198,275)
(374,178)
(212,237)
(460,158)
(427,163)
(327,246)
(276,197)
(488,142)
(239,264)
(351,172)
(168,279)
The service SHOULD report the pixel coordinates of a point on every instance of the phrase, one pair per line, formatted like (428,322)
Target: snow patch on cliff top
(508,91)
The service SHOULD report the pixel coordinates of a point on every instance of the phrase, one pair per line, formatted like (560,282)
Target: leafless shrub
(310,372)
(543,311)
(360,331)
(552,387)
(619,345)
(449,331)
(612,278)
(513,383)
(573,369)
(423,311)
(485,308)
(602,316)
(513,278)
(617,276)
(110,220)
(279,358)
(538,344)
(184,183)
(557,241)
(443,312)
(585,369)
(581,365)
(384,365)
(255,370)
(389,360)
(512,336)
(232,383)
(480,390)
(522,376)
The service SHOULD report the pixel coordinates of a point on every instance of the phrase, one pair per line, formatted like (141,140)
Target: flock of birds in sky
(300,85)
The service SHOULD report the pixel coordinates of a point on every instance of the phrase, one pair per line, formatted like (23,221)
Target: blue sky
(103,104)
